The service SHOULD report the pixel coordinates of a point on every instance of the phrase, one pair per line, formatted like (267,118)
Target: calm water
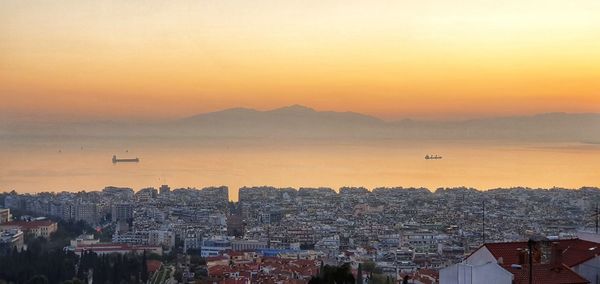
(85,164)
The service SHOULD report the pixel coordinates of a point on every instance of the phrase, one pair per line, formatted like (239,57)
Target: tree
(38,279)
(334,274)
(144,275)
(359,275)
(370,267)
(178,275)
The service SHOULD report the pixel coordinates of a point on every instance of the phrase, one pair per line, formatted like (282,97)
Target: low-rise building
(109,248)
(5,215)
(36,228)
(571,261)
(9,240)
(83,240)
(161,238)
(247,245)
(215,246)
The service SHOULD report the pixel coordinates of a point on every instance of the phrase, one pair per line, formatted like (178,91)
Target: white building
(420,240)
(162,238)
(191,240)
(214,246)
(84,240)
(572,261)
(246,245)
(488,273)
(9,240)
(5,215)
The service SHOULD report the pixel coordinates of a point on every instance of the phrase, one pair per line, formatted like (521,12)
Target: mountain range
(298,121)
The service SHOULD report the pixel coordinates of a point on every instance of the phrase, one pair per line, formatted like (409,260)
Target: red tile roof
(234,281)
(234,253)
(153,265)
(575,251)
(216,258)
(104,247)
(270,270)
(26,225)
(547,274)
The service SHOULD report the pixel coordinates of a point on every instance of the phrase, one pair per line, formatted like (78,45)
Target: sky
(392,59)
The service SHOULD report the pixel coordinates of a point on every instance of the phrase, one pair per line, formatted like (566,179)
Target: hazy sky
(392,59)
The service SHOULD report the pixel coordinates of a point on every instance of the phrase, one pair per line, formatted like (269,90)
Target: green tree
(334,275)
(38,279)
(144,275)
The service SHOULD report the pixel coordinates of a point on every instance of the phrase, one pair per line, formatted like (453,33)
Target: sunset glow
(391,59)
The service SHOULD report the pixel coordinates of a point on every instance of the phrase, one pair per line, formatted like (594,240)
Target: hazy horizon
(57,119)
(390,59)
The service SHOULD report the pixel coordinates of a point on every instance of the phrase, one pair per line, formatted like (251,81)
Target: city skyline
(300,141)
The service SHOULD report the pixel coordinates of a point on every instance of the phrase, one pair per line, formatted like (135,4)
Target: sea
(34,164)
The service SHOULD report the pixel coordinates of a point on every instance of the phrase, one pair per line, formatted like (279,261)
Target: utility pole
(530,247)
(395,264)
(597,217)
(269,236)
(483,223)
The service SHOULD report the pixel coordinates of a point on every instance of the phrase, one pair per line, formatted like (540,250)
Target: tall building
(122,212)
(146,194)
(164,189)
(5,215)
(87,212)
(192,240)
(161,238)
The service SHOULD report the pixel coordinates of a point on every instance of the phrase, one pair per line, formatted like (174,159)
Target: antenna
(597,217)
(269,235)
(483,222)
(530,244)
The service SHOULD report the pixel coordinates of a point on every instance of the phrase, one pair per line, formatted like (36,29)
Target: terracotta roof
(270,271)
(575,251)
(233,281)
(235,253)
(153,265)
(26,225)
(216,258)
(547,274)
(102,247)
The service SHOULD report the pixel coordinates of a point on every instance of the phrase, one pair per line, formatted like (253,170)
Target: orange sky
(392,59)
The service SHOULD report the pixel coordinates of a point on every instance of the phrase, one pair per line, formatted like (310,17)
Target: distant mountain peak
(294,108)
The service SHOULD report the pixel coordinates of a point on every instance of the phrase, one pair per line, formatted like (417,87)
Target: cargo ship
(116,160)
(432,157)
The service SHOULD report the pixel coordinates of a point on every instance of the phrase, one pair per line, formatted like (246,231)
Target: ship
(432,157)
(116,160)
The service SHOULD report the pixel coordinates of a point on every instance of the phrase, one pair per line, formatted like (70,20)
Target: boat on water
(117,160)
(432,157)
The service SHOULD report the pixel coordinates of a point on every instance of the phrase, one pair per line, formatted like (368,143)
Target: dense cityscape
(288,235)
(299,142)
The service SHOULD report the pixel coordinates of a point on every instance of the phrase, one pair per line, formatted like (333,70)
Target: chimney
(556,258)
(523,256)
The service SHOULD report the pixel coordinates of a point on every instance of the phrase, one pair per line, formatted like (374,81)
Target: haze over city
(300,142)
